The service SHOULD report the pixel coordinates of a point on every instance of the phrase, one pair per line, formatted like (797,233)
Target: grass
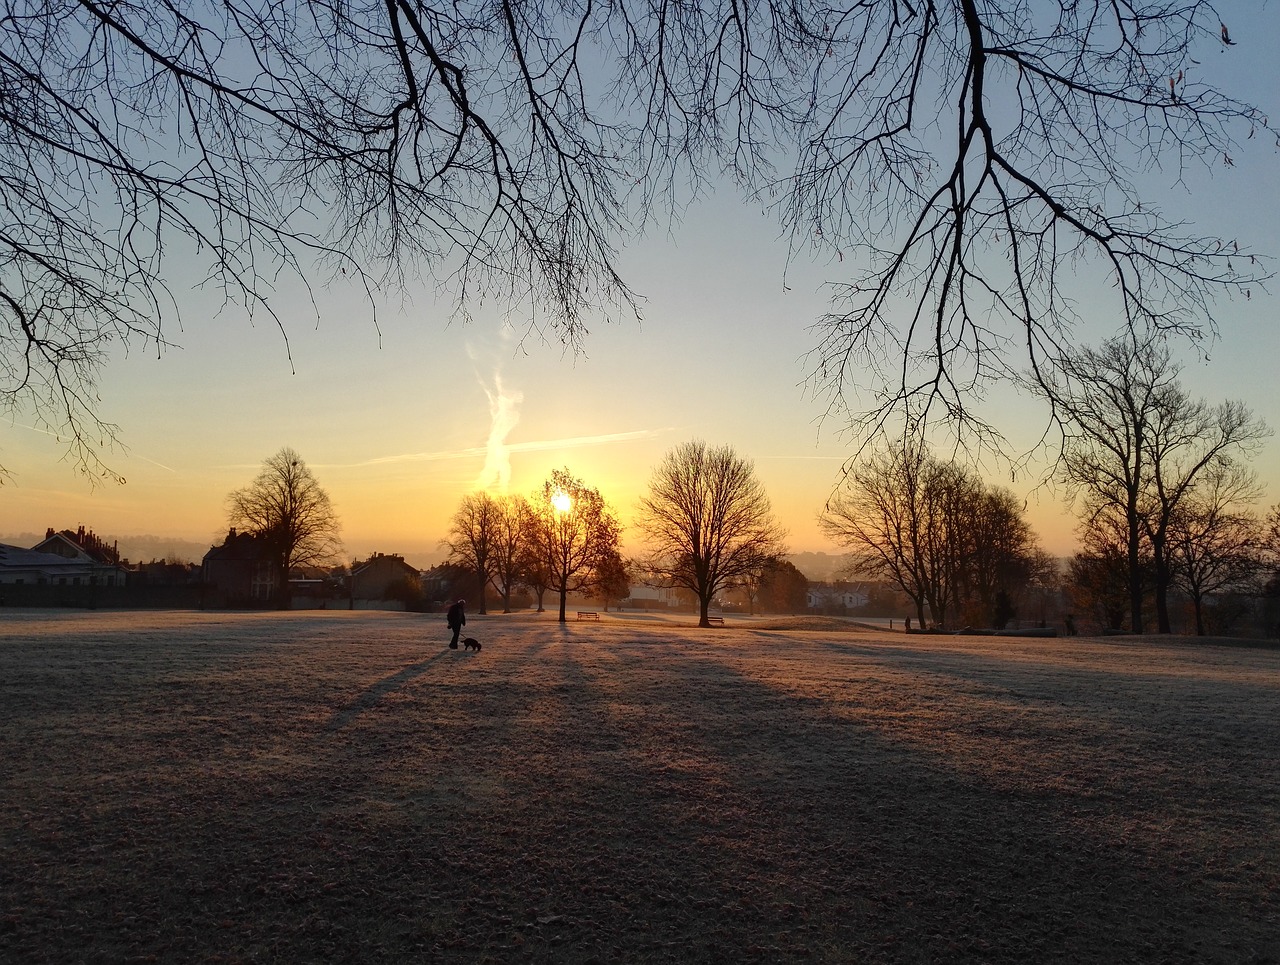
(322,787)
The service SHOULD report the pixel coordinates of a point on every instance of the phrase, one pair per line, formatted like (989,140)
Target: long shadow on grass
(374,693)
(729,811)
(611,797)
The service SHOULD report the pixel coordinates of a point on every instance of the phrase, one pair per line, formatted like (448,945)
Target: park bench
(716,621)
(588,615)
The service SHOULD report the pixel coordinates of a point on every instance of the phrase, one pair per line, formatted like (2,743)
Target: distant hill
(819,566)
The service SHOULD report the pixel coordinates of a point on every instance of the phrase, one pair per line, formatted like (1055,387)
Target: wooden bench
(716,621)
(588,615)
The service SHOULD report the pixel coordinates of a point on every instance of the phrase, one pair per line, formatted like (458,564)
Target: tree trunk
(1162,606)
(563,594)
(1162,585)
(704,604)
(282,592)
(1135,581)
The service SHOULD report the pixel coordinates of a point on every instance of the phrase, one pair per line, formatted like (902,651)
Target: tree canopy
(936,531)
(573,535)
(1136,451)
(708,522)
(286,506)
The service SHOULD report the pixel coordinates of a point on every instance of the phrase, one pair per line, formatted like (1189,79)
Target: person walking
(457,619)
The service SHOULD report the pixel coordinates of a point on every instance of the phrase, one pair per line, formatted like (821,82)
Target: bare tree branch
(967,162)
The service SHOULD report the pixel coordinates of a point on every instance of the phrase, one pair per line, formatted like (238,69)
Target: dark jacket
(456,617)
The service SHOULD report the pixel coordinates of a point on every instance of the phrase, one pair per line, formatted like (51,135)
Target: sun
(562,501)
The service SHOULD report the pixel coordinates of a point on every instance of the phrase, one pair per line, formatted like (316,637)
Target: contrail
(503,410)
(542,445)
(58,436)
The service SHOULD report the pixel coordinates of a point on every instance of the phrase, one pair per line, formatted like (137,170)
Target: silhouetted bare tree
(1001,558)
(888,514)
(572,532)
(1097,579)
(1216,543)
(966,232)
(1135,447)
(507,546)
(612,579)
(707,521)
(933,529)
(472,533)
(287,508)
(961,157)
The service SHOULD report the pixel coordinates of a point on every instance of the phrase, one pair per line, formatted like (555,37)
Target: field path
(340,787)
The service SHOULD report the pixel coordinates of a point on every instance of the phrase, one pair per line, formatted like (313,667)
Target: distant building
(164,573)
(372,579)
(240,572)
(66,558)
(839,597)
(646,597)
(444,583)
(20,566)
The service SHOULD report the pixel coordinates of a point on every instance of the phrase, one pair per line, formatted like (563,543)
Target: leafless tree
(1000,557)
(889,513)
(1192,444)
(573,534)
(287,508)
(507,546)
(1216,543)
(966,161)
(933,529)
(994,147)
(534,572)
(1098,575)
(612,579)
(707,521)
(1271,559)
(1106,398)
(1135,447)
(472,534)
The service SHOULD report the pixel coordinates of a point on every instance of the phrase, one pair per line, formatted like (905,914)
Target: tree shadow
(374,693)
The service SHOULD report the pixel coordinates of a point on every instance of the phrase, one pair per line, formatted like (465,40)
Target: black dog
(471,643)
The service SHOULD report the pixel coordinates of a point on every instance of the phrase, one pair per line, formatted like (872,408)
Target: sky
(399,421)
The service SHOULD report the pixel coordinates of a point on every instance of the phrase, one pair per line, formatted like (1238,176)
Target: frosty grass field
(341,787)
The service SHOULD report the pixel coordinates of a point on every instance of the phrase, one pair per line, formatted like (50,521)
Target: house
(379,574)
(838,597)
(89,560)
(19,566)
(164,573)
(240,572)
(645,597)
